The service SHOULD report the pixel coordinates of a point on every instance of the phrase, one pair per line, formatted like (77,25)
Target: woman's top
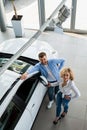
(68,89)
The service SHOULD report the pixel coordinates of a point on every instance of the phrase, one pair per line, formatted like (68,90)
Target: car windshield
(17,66)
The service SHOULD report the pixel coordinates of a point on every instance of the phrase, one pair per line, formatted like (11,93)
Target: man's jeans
(61,101)
(52,91)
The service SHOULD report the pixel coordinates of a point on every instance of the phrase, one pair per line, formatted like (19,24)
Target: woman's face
(66,76)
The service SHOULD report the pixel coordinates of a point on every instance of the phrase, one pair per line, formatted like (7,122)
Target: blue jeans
(61,101)
(52,91)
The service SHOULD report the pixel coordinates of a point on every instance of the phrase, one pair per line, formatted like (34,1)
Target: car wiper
(8,91)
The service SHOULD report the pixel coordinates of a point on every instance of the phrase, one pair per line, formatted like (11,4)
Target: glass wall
(27,8)
(50,6)
(66,24)
(81,15)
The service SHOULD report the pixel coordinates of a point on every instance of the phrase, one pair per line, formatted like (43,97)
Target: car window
(17,66)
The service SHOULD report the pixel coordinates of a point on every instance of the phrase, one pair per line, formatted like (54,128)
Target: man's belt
(52,81)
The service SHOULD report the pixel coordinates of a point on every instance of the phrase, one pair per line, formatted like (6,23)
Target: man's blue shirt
(54,65)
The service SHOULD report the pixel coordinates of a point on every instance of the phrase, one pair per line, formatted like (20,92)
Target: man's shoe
(50,104)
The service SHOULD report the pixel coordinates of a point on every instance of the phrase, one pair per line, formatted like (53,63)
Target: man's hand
(48,84)
(24,76)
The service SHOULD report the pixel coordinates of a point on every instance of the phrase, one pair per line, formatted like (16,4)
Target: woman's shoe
(56,120)
(63,114)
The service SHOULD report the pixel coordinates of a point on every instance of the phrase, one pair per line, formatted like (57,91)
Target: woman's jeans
(61,101)
(52,91)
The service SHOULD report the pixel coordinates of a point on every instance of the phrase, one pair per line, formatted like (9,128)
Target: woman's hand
(67,97)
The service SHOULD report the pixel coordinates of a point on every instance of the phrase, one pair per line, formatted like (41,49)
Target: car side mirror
(43,80)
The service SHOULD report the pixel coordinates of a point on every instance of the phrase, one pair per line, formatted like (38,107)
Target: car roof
(13,45)
(6,80)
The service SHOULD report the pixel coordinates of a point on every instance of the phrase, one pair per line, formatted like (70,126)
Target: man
(50,69)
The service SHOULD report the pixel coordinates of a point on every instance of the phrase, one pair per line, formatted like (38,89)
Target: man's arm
(24,76)
(29,71)
(60,62)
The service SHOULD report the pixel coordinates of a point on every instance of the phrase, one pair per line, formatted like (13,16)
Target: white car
(20,100)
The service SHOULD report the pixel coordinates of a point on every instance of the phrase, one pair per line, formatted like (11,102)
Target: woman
(66,86)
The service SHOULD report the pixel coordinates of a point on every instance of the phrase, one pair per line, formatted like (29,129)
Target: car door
(25,122)
(36,100)
(28,116)
(27,119)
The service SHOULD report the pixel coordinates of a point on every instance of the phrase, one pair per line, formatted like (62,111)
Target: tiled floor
(74,50)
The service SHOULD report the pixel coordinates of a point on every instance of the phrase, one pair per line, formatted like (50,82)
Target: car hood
(13,45)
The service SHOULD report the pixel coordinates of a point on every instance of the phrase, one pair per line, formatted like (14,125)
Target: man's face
(43,60)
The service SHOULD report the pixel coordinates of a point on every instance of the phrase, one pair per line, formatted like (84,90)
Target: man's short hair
(41,54)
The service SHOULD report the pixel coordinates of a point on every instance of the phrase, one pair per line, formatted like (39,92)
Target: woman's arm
(75,90)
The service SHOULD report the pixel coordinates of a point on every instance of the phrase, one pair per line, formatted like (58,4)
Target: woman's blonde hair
(64,70)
